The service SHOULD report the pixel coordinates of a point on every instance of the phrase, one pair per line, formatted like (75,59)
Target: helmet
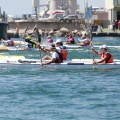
(104,47)
(49,36)
(58,41)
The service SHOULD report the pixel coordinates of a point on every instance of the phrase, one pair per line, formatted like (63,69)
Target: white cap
(58,41)
(49,36)
(104,46)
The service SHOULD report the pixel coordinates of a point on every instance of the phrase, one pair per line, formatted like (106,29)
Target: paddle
(37,34)
(24,34)
(91,37)
(38,37)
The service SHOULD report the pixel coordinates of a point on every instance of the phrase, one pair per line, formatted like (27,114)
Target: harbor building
(70,6)
(113,9)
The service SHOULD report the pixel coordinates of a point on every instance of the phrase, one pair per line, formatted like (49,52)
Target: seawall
(55,26)
(44,25)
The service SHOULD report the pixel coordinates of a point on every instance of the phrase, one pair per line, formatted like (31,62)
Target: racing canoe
(67,64)
(24,47)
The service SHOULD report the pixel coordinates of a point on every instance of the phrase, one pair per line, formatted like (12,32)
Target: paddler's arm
(100,61)
(97,53)
(43,49)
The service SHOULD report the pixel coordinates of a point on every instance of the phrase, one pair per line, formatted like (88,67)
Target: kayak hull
(67,64)
(63,66)
(24,47)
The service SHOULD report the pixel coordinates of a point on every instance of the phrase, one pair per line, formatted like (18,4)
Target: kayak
(24,47)
(86,47)
(67,64)
(16,48)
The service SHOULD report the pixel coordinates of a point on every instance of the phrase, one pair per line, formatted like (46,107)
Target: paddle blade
(37,35)
(26,29)
(90,35)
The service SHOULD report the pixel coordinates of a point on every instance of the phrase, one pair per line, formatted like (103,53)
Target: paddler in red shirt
(85,41)
(71,40)
(106,57)
(49,39)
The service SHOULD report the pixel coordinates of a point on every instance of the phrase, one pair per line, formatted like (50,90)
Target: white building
(113,8)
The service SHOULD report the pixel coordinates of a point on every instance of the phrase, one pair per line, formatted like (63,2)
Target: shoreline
(95,34)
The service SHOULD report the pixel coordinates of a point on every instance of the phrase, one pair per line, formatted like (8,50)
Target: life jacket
(13,43)
(109,59)
(28,37)
(31,44)
(60,59)
(86,43)
(64,53)
(71,40)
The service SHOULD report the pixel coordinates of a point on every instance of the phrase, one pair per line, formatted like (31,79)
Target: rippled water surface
(44,94)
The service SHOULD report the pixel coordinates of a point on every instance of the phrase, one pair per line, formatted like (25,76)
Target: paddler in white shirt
(85,41)
(55,56)
(62,49)
(9,42)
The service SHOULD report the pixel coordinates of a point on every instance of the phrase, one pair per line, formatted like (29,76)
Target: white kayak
(72,46)
(22,46)
(15,48)
(67,64)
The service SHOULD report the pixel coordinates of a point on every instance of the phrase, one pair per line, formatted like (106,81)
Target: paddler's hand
(39,46)
(42,64)
(91,45)
(92,48)
(94,62)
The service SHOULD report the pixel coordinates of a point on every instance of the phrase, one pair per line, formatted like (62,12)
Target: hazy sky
(25,6)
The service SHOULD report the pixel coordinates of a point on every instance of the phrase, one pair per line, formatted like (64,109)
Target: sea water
(46,94)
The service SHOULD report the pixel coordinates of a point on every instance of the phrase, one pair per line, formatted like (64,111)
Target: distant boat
(3,30)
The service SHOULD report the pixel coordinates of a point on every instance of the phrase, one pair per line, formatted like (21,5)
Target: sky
(17,7)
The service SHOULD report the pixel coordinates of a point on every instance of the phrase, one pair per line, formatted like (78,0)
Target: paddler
(71,40)
(55,56)
(84,41)
(106,57)
(49,39)
(17,33)
(30,41)
(62,49)
(9,42)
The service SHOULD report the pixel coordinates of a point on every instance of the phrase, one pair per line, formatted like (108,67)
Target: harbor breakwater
(53,26)
(45,25)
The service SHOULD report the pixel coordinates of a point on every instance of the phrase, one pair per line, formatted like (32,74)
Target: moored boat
(3,30)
